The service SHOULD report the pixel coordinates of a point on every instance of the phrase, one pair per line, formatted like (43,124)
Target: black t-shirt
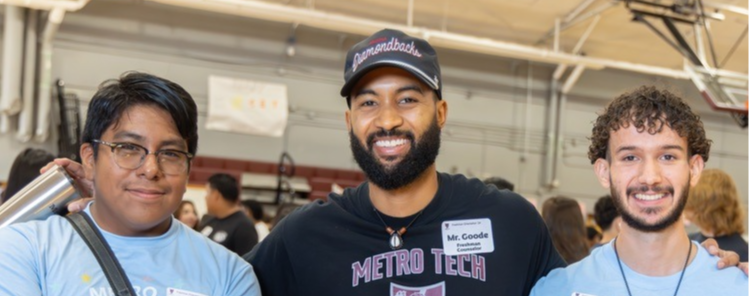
(733,242)
(236,232)
(340,247)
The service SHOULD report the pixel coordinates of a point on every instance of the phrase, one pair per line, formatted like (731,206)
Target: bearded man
(648,148)
(409,230)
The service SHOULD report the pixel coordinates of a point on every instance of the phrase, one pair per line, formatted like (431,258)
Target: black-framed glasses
(131,156)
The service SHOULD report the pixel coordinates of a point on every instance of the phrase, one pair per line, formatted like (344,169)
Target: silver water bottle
(46,195)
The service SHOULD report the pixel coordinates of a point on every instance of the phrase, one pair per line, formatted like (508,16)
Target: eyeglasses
(131,156)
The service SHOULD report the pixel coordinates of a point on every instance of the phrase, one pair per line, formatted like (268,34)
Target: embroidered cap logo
(394,45)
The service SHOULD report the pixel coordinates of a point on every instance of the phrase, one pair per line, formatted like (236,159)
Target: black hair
(25,168)
(226,185)
(592,232)
(255,209)
(116,96)
(605,212)
(500,183)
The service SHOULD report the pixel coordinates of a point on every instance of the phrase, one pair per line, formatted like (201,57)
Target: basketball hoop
(742,119)
(722,93)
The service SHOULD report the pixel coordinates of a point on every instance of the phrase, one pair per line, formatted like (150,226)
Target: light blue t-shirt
(50,258)
(599,275)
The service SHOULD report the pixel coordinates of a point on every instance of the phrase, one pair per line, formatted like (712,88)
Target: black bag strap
(115,275)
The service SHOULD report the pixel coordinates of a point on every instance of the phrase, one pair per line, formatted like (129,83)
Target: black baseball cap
(392,48)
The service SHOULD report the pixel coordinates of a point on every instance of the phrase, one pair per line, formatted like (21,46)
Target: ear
(441,113)
(603,172)
(348,120)
(617,223)
(696,165)
(88,160)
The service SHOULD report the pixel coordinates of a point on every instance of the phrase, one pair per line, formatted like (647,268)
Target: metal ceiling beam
(67,5)
(361,26)
(576,19)
(554,31)
(577,10)
(579,46)
(727,7)
(680,44)
(689,11)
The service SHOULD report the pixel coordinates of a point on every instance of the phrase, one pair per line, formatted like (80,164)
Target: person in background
(714,206)
(594,236)
(227,225)
(566,226)
(500,183)
(254,210)
(187,214)
(25,169)
(607,217)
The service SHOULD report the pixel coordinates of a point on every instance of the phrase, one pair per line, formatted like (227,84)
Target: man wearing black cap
(409,230)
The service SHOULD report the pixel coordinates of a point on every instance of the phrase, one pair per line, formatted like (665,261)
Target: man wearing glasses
(140,134)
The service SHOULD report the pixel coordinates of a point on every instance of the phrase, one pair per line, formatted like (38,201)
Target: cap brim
(349,85)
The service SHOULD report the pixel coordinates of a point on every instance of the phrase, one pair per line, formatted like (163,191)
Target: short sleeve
(271,262)
(19,274)
(243,281)
(244,238)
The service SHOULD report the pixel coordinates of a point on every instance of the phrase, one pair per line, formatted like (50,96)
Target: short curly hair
(649,109)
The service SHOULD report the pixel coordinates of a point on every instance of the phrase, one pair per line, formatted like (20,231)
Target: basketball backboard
(726,93)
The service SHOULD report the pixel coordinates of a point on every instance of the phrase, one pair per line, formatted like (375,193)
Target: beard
(640,224)
(389,177)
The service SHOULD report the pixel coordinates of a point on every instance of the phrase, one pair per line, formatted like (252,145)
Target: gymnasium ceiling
(529,22)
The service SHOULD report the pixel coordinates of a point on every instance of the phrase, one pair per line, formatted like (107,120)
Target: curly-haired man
(648,148)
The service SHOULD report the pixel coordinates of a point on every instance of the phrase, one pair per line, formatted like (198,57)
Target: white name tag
(178,292)
(580,294)
(467,236)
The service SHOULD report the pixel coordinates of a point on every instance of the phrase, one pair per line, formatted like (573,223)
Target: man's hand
(727,258)
(744,266)
(75,170)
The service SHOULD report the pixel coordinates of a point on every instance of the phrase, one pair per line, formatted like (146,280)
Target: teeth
(390,143)
(648,196)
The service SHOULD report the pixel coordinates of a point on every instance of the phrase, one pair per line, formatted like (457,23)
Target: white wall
(196,194)
(486,95)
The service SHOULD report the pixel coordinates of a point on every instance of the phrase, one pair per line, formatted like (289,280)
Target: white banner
(245,106)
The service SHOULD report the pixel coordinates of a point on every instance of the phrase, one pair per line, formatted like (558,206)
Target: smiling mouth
(149,194)
(390,143)
(649,197)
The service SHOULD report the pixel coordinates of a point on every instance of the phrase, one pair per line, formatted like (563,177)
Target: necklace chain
(396,235)
(686,262)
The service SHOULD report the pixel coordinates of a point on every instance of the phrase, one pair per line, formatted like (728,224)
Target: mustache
(389,133)
(645,188)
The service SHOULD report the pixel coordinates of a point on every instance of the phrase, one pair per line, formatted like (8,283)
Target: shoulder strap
(115,275)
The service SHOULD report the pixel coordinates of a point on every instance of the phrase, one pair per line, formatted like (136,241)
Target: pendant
(396,241)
